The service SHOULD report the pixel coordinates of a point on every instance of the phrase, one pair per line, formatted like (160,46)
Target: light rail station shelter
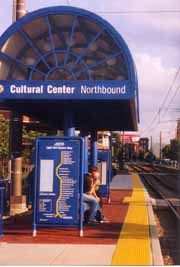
(70,68)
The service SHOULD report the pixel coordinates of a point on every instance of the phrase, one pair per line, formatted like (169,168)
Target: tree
(166,151)
(4,145)
(175,149)
(116,144)
(30,136)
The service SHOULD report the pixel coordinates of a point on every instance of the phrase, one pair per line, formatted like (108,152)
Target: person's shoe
(104,221)
(92,222)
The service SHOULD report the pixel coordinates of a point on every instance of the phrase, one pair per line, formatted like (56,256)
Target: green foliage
(175,149)
(4,137)
(116,144)
(166,152)
(31,137)
(4,146)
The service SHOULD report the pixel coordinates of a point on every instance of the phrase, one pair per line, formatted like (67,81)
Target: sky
(151,30)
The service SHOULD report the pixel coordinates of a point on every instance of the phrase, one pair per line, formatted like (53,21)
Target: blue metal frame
(45,12)
(94,148)
(84,134)
(60,66)
(69,129)
(51,40)
(81,184)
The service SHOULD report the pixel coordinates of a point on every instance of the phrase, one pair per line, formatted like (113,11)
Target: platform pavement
(52,254)
(63,254)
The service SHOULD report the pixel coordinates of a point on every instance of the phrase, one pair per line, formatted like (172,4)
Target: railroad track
(162,189)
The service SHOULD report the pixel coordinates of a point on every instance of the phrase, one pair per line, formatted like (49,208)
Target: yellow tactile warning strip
(133,246)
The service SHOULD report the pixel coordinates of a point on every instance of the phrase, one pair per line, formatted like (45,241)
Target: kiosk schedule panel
(58,182)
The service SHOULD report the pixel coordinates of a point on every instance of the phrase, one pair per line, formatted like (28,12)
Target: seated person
(89,198)
(95,192)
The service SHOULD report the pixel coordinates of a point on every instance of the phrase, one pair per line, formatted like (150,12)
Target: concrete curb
(157,258)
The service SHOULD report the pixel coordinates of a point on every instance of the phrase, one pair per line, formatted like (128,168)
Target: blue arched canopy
(64,58)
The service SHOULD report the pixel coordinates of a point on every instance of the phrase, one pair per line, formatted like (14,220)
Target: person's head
(88,177)
(95,173)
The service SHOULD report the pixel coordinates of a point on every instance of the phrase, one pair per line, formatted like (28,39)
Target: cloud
(154,77)
(154,81)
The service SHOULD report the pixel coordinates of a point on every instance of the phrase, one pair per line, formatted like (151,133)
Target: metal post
(151,144)
(20,9)
(84,134)
(160,145)
(81,190)
(94,148)
(69,129)
(110,167)
(18,201)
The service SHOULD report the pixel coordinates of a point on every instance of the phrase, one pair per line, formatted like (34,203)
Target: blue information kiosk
(58,183)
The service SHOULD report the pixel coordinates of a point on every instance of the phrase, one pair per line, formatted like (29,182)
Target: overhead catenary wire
(132,11)
(139,12)
(160,11)
(172,98)
(157,114)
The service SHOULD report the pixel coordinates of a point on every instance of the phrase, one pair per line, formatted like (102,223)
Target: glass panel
(6,66)
(37,76)
(70,60)
(50,61)
(12,71)
(78,67)
(121,68)
(42,67)
(79,42)
(17,47)
(35,28)
(44,44)
(112,69)
(82,76)
(60,58)
(59,43)
(20,74)
(100,49)
(29,57)
(60,74)
(39,33)
(61,26)
(107,44)
(77,49)
(89,25)
(85,32)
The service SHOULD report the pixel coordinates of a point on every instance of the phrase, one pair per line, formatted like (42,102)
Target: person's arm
(94,190)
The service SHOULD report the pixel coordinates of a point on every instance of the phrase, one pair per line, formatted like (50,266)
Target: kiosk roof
(65,58)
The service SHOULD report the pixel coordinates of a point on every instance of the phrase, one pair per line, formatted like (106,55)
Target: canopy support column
(18,201)
(69,129)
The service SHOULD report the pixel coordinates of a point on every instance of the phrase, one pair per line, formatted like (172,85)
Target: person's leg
(93,203)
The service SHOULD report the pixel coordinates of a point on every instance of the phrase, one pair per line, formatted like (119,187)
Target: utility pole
(160,145)
(18,9)
(178,222)
(151,147)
